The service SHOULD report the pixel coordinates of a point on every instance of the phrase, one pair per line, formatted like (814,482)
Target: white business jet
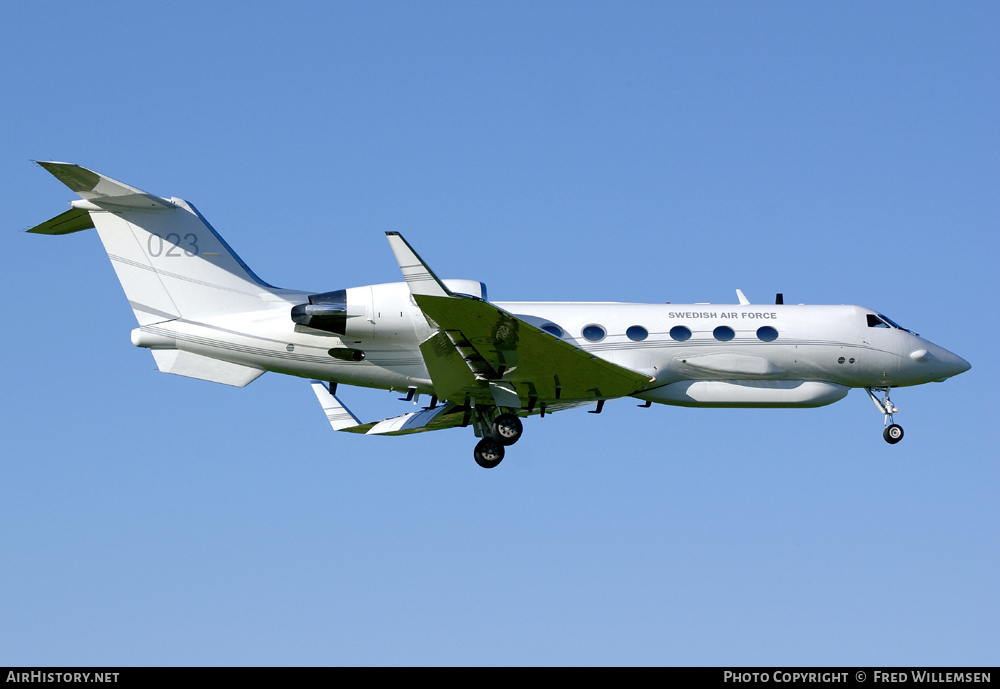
(204,314)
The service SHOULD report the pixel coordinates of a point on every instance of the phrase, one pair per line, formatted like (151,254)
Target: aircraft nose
(957,365)
(943,362)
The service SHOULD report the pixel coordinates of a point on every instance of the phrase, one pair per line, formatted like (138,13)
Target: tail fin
(169,260)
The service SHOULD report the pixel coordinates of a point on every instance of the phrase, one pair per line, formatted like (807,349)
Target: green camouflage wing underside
(478,343)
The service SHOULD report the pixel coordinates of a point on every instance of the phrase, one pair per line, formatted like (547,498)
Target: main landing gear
(505,430)
(488,453)
(893,432)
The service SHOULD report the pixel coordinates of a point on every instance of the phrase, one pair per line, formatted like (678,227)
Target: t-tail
(169,260)
(171,263)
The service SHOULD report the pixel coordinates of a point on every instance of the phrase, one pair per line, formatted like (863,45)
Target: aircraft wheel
(488,453)
(893,433)
(507,429)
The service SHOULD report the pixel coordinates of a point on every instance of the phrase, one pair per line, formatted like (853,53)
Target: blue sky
(837,152)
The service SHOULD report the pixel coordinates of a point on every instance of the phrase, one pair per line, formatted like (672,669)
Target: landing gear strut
(893,432)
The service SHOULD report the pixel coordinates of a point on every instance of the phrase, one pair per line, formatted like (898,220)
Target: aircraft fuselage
(759,345)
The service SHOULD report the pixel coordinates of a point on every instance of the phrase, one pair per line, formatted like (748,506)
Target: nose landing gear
(893,432)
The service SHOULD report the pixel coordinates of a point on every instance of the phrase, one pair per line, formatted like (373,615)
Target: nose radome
(961,365)
(940,361)
(951,364)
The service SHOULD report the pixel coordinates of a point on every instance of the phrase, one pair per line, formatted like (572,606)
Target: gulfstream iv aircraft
(204,314)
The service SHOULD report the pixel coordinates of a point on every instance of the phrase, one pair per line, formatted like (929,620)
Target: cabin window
(724,333)
(594,333)
(553,329)
(767,334)
(637,333)
(680,333)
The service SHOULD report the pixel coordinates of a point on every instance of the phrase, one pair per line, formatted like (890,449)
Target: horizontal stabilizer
(101,190)
(73,220)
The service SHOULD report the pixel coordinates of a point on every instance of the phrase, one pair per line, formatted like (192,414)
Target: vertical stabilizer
(170,261)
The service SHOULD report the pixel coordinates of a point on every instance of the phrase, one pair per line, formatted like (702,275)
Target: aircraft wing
(428,419)
(341,418)
(481,350)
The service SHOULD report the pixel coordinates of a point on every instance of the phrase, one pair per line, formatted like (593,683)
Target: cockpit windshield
(883,321)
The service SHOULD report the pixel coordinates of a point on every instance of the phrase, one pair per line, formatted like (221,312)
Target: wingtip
(53,163)
(420,278)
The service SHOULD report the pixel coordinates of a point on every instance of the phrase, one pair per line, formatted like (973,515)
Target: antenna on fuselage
(779,298)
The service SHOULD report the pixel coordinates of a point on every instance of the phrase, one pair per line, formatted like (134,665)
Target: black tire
(507,429)
(488,453)
(893,433)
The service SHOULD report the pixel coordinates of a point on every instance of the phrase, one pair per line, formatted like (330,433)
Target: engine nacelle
(326,311)
(371,311)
